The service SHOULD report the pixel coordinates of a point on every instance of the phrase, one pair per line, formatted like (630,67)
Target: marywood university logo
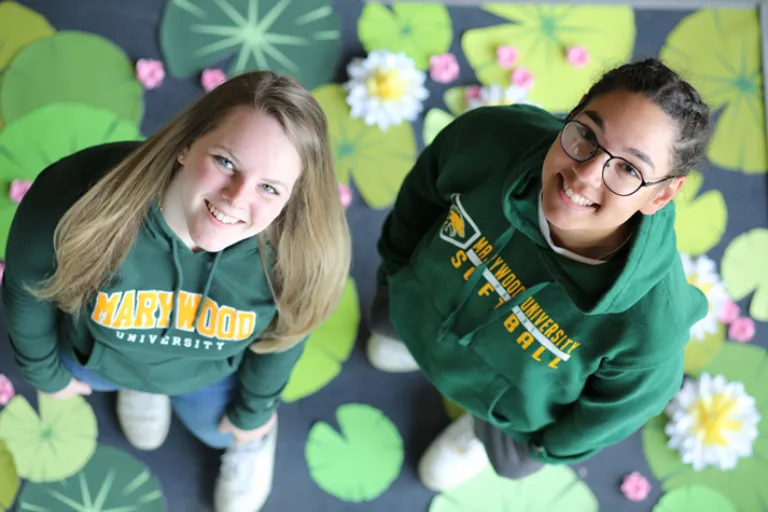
(459,229)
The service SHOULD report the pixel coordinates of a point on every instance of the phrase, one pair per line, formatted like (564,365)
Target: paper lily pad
(699,353)
(701,219)
(9,478)
(694,497)
(554,489)
(378,161)
(360,463)
(743,270)
(63,69)
(327,348)
(112,481)
(434,122)
(30,144)
(455,99)
(719,49)
(54,445)
(743,486)
(300,38)
(542,33)
(419,30)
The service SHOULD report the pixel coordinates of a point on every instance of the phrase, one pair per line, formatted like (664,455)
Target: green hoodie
(561,355)
(170,321)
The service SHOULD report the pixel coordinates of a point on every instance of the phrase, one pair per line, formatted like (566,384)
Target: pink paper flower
(742,329)
(212,78)
(345,194)
(443,68)
(523,78)
(473,92)
(18,190)
(2,270)
(577,56)
(730,312)
(6,389)
(635,487)
(506,56)
(150,72)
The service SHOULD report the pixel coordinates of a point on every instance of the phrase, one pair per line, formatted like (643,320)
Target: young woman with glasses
(530,271)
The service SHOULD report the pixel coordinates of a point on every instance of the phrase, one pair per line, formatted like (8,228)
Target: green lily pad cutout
(455,99)
(112,481)
(360,463)
(62,69)
(30,144)
(327,348)
(743,270)
(554,489)
(542,33)
(300,38)
(379,161)
(694,497)
(699,353)
(434,122)
(9,478)
(720,51)
(419,30)
(54,445)
(744,486)
(701,219)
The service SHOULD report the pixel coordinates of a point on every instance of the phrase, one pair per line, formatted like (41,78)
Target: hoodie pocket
(94,358)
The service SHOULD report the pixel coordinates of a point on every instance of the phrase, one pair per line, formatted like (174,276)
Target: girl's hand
(246,436)
(74,388)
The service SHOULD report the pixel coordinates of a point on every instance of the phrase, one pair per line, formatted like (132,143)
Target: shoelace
(237,462)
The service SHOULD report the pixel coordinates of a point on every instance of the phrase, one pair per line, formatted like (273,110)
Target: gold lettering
(145,310)
(511,322)
(480,245)
(566,343)
(468,273)
(502,272)
(485,252)
(166,305)
(125,314)
(574,346)
(552,330)
(525,339)
(105,308)
(485,290)
(460,258)
(187,307)
(498,261)
(553,363)
(538,352)
(225,323)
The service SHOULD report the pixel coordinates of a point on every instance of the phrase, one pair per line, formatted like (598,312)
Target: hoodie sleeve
(263,378)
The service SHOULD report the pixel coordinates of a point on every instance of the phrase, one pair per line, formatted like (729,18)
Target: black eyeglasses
(620,177)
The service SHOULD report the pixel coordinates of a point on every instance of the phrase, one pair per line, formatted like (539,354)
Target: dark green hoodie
(170,321)
(562,355)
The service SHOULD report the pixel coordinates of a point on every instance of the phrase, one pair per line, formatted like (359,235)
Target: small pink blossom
(577,56)
(6,389)
(473,92)
(212,78)
(635,487)
(19,189)
(2,270)
(523,78)
(345,194)
(150,72)
(742,330)
(443,68)
(730,312)
(506,56)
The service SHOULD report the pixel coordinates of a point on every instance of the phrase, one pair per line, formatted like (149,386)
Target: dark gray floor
(185,467)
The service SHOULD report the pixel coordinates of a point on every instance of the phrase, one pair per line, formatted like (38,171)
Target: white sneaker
(455,457)
(390,355)
(245,477)
(144,417)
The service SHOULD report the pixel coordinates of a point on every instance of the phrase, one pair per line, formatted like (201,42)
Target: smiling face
(580,209)
(233,182)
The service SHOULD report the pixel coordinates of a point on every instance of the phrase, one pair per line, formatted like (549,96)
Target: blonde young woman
(184,272)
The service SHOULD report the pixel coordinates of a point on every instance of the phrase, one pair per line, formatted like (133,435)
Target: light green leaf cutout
(455,99)
(419,30)
(72,67)
(699,353)
(112,481)
(542,33)
(694,497)
(30,144)
(553,489)
(434,122)
(9,478)
(700,219)
(54,445)
(744,270)
(327,348)
(362,462)
(300,38)
(743,486)
(718,50)
(378,160)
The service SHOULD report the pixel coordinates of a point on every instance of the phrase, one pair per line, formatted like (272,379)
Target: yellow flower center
(712,419)
(386,84)
(705,288)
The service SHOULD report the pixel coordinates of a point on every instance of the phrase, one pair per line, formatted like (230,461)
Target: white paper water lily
(385,89)
(702,273)
(713,422)
(496,95)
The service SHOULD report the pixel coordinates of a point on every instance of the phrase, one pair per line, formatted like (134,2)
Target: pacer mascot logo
(459,229)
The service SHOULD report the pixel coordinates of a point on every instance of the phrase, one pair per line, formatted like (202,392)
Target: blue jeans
(200,411)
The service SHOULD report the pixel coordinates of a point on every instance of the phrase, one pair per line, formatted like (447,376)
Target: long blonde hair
(310,237)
